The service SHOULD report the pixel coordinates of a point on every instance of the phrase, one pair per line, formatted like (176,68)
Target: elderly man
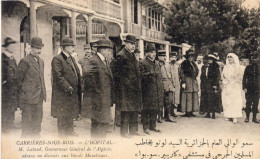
(66,89)
(152,89)
(9,85)
(189,84)
(98,89)
(128,89)
(30,79)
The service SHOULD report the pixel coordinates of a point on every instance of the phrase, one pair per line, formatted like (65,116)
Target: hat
(137,51)
(37,42)
(189,53)
(8,41)
(150,47)
(67,42)
(87,46)
(173,54)
(130,39)
(212,56)
(161,53)
(104,43)
(216,54)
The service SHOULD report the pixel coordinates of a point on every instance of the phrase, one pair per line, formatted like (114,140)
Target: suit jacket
(152,85)
(98,90)
(64,76)
(30,79)
(126,73)
(9,82)
(250,78)
(167,77)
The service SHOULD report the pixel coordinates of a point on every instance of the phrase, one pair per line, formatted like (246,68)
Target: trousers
(129,122)
(252,101)
(98,129)
(149,119)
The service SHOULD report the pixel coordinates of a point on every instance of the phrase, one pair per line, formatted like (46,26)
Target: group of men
(90,86)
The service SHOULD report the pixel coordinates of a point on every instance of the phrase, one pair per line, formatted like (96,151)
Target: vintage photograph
(130,79)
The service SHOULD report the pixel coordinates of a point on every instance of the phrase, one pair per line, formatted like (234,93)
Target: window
(134,11)
(151,19)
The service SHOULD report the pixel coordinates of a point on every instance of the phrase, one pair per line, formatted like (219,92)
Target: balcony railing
(78,3)
(107,7)
(153,34)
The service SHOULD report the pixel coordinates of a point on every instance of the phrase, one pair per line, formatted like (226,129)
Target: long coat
(9,84)
(250,78)
(63,103)
(167,77)
(176,81)
(98,90)
(30,77)
(126,73)
(152,85)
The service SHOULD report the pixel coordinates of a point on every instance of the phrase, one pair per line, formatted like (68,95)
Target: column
(73,26)
(33,30)
(167,50)
(141,48)
(90,17)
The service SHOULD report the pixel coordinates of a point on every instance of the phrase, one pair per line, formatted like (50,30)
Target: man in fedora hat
(251,87)
(152,89)
(128,89)
(66,89)
(189,84)
(30,77)
(9,85)
(98,89)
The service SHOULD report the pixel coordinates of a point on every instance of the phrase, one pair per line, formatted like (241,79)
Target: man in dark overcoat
(152,89)
(30,78)
(66,89)
(9,85)
(128,89)
(98,89)
(251,88)
(210,78)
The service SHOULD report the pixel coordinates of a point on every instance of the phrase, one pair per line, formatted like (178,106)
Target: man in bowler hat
(30,79)
(128,88)
(66,89)
(9,85)
(98,89)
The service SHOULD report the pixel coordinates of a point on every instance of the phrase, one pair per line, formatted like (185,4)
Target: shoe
(192,115)
(202,113)
(147,132)
(247,120)
(255,121)
(159,121)
(207,115)
(170,120)
(234,120)
(155,130)
(185,115)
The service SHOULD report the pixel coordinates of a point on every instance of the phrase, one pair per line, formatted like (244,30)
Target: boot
(192,115)
(207,115)
(186,115)
(213,115)
(254,118)
(247,117)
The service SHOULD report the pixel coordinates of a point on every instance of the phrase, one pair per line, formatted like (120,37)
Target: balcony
(107,7)
(73,4)
(153,34)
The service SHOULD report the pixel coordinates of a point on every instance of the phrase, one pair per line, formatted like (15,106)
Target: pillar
(90,17)
(141,48)
(167,50)
(33,29)
(73,26)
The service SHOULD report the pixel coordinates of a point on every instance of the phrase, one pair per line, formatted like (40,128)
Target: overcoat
(98,90)
(9,83)
(126,73)
(30,79)
(250,78)
(176,80)
(63,103)
(152,85)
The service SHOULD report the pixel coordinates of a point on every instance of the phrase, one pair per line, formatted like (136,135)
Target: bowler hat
(8,41)
(37,42)
(104,43)
(161,53)
(212,56)
(67,42)
(130,39)
(150,47)
(87,46)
